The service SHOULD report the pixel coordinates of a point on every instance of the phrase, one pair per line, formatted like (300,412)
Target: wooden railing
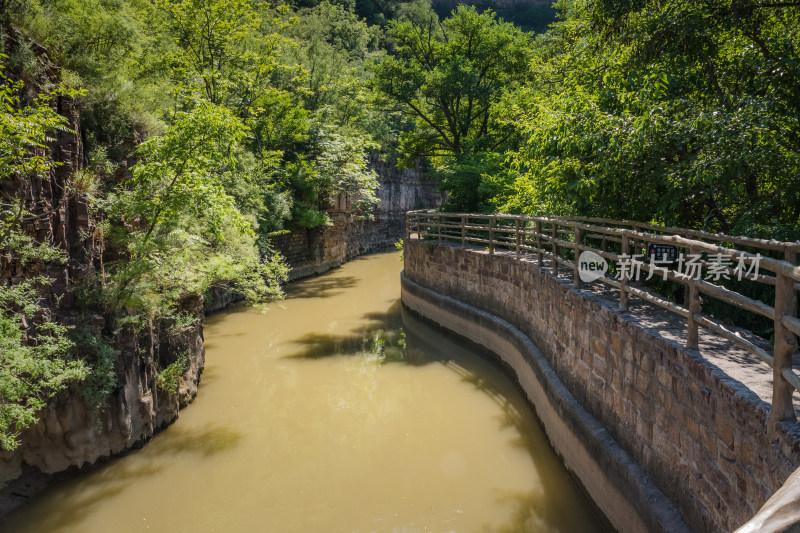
(559,241)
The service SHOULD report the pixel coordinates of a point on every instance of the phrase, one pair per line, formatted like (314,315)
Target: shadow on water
(398,336)
(72,504)
(322,287)
(209,441)
(533,511)
(395,336)
(209,375)
(381,334)
(77,499)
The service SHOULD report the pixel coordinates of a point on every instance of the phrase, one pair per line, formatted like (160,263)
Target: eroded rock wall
(71,433)
(313,251)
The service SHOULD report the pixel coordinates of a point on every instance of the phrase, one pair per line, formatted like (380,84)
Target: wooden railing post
(785,346)
(576,275)
(554,247)
(491,235)
(463,231)
(439,227)
(695,306)
(516,234)
(539,253)
(623,276)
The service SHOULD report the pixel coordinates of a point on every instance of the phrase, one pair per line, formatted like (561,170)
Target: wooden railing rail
(559,242)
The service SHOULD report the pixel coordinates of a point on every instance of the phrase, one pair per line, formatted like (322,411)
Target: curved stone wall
(614,481)
(696,434)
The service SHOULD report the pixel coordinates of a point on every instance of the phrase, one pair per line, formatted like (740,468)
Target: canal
(333,411)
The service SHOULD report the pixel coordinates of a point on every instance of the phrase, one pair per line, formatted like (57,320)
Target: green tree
(182,230)
(337,166)
(451,77)
(682,113)
(455,79)
(332,44)
(228,50)
(114,52)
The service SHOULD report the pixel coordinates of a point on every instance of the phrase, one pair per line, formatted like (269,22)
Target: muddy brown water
(335,411)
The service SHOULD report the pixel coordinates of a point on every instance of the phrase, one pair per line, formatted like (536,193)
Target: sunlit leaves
(24,130)
(184,232)
(227,50)
(451,78)
(34,350)
(33,363)
(342,168)
(682,113)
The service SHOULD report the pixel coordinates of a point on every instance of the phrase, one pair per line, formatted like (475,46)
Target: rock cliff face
(313,251)
(70,433)
(56,216)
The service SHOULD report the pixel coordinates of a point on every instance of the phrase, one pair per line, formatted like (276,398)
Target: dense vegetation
(210,125)
(683,113)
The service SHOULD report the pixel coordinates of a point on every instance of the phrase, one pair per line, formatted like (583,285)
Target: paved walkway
(747,369)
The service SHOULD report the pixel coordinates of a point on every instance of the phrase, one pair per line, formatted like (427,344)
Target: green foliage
(169,379)
(209,127)
(533,18)
(685,114)
(24,130)
(377,12)
(107,48)
(34,349)
(452,78)
(399,246)
(337,166)
(222,48)
(455,79)
(101,357)
(186,232)
(332,44)
(287,76)
(341,168)
(31,371)
(472,180)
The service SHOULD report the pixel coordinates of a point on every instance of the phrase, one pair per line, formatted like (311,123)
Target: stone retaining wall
(701,439)
(314,251)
